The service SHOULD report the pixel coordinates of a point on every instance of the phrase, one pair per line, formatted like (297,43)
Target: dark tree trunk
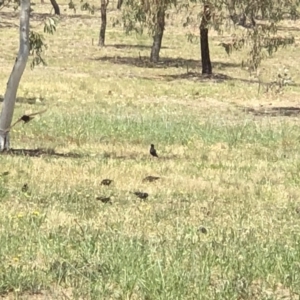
(205,57)
(157,38)
(104,4)
(204,45)
(55,7)
(120,2)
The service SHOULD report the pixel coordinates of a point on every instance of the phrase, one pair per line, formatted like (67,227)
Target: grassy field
(222,222)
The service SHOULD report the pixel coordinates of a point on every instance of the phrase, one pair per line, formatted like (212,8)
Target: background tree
(150,15)
(204,45)
(258,20)
(119,5)
(103,9)
(55,7)
(159,13)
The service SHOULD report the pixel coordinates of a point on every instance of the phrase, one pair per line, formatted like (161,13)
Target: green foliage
(10,3)
(258,37)
(85,6)
(261,36)
(134,17)
(72,5)
(140,15)
(50,25)
(37,44)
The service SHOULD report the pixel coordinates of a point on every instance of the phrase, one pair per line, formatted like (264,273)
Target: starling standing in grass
(103,199)
(150,178)
(141,195)
(202,230)
(25,188)
(153,151)
(106,182)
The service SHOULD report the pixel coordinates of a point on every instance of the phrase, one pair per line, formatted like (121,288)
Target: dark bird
(25,119)
(150,178)
(106,182)
(5,173)
(103,199)
(153,151)
(141,195)
(203,230)
(25,188)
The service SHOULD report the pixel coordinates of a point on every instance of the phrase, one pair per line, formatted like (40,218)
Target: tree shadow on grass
(128,46)
(143,62)
(216,77)
(40,152)
(288,28)
(4,24)
(278,111)
(197,76)
(27,100)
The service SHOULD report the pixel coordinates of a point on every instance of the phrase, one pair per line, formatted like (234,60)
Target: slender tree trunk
(120,2)
(104,4)
(55,7)
(15,77)
(157,38)
(204,45)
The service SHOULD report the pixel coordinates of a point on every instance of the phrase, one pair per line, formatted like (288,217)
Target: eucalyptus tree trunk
(55,7)
(15,77)
(204,45)
(158,35)
(119,5)
(104,4)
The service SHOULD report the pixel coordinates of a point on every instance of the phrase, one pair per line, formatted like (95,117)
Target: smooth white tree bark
(15,77)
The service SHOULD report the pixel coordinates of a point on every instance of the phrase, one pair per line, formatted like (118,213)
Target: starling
(106,182)
(153,151)
(26,119)
(150,178)
(25,188)
(103,199)
(141,195)
(203,230)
